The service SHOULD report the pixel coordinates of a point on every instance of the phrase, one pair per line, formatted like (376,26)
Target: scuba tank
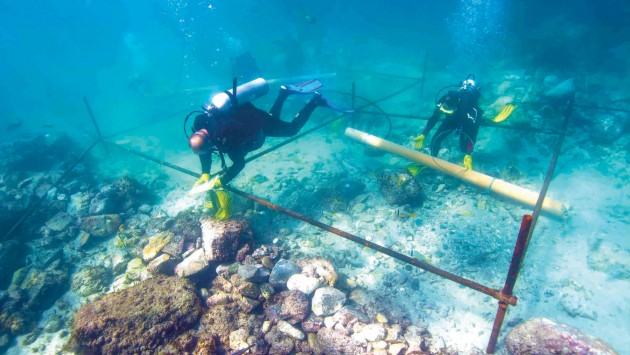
(225,101)
(247,92)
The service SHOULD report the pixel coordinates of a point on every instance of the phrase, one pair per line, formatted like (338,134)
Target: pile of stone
(255,300)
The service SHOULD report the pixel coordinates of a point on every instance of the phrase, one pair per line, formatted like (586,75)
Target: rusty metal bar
(527,229)
(91,114)
(497,294)
(510,281)
(401,257)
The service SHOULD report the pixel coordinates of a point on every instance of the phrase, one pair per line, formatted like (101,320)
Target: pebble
(381,318)
(290,330)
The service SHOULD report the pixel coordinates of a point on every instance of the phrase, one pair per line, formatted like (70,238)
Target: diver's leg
(468,138)
(279,128)
(447,126)
(277,105)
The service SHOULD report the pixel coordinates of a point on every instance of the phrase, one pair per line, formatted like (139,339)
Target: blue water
(147,63)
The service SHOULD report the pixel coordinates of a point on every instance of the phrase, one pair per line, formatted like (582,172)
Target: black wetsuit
(245,129)
(464,120)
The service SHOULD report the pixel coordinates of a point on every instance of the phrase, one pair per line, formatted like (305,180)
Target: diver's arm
(432,121)
(238,163)
(206,162)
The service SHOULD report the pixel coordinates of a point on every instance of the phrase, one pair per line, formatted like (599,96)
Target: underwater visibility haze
(318,177)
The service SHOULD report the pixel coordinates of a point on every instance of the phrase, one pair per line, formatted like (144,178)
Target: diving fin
(504,114)
(414,169)
(324,102)
(303,88)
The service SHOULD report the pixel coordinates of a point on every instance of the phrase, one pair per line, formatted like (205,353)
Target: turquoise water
(142,66)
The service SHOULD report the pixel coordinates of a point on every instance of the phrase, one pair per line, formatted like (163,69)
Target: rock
(221,239)
(320,268)
(400,188)
(397,348)
(31,292)
(255,273)
(101,225)
(281,273)
(218,299)
(12,257)
(609,258)
(192,264)
(222,319)
(248,289)
(163,264)
(140,319)
(266,290)
(79,205)
(333,342)
(156,243)
(312,324)
(54,324)
(347,316)
(123,194)
(544,336)
(238,340)
(327,300)
(561,91)
(381,318)
(347,189)
(266,326)
(281,344)
(175,247)
(270,251)
(59,222)
(291,331)
(294,307)
(91,279)
(303,283)
(365,300)
(135,267)
(575,300)
(373,332)
(291,306)
(607,127)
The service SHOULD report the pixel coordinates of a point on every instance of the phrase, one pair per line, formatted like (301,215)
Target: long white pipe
(485,182)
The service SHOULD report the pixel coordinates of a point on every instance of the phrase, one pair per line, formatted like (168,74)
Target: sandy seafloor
(458,228)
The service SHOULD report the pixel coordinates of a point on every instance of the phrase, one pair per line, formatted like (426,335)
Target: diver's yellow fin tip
(414,169)
(504,114)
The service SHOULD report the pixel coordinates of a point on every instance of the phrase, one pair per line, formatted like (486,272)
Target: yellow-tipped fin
(504,114)
(414,169)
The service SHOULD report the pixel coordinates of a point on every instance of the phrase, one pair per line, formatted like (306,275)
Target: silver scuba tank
(244,93)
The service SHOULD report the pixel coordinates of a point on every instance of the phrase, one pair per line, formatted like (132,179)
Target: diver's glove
(468,162)
(419,141)
(202,179)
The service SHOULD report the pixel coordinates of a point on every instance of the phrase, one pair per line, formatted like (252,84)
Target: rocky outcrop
(544,336)
(140,319)
(400,188)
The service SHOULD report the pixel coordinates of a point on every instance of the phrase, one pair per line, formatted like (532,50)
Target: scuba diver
(463,117)
(232,125)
